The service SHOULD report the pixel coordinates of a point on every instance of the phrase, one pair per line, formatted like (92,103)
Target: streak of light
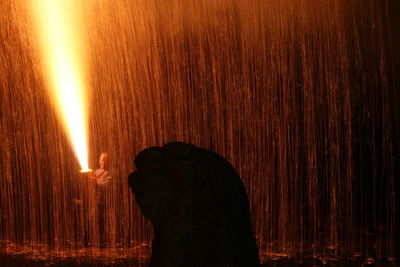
(59,26)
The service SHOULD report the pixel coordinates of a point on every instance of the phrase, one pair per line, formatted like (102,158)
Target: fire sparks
(59,24)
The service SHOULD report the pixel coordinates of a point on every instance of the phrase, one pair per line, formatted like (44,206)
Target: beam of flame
(59,26)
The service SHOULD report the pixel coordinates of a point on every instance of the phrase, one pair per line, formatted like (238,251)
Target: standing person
(198,207)
(102,177)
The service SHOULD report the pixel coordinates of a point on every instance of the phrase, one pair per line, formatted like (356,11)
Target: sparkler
(59,24)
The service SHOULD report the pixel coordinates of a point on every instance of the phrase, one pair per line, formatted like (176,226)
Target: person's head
(104,161)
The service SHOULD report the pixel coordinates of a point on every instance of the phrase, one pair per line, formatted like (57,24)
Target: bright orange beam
(59,24)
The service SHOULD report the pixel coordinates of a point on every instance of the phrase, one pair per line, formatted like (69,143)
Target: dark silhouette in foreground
(198,206)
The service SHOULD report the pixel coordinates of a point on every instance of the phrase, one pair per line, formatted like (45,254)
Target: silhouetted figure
(198,207)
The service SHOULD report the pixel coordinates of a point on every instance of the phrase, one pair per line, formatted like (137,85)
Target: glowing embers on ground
(59,27)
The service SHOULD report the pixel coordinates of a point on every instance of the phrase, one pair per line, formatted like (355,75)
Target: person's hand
(102,177)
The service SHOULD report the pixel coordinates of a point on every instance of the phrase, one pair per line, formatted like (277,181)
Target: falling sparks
(59,25)
(300,96)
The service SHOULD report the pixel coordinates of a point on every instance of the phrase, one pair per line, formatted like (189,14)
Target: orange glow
(59,24)
(85,170)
